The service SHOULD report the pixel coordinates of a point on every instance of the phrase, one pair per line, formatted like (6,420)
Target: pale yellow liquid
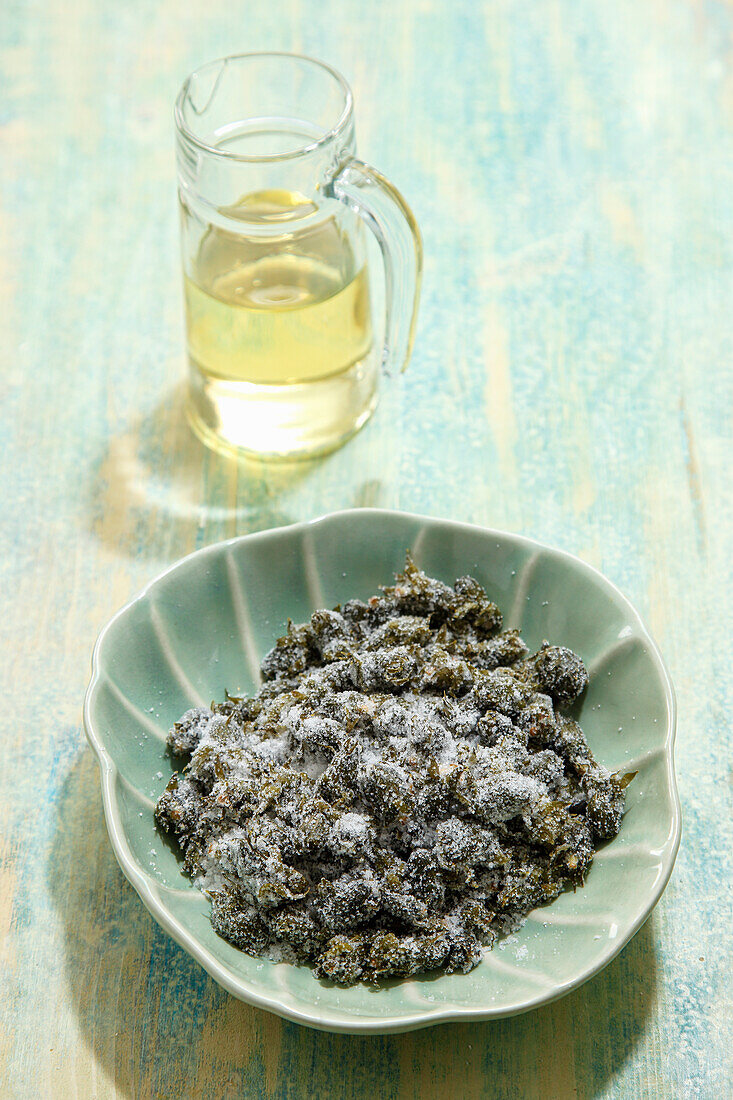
(278,320)
(279,330)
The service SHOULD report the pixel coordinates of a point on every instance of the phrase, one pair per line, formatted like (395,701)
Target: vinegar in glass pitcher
(282,318)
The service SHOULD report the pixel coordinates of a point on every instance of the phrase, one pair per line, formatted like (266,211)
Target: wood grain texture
(571,166)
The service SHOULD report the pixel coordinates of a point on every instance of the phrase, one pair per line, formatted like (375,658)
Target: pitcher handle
(370,195)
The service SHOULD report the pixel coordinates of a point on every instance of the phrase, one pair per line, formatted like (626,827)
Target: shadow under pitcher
(282,356)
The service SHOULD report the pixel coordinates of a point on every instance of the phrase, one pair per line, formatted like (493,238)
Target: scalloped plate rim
(342,1021)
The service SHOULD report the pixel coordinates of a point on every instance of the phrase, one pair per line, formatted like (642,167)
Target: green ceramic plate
(203,625)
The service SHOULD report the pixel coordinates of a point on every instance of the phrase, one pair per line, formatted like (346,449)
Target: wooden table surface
(571,167)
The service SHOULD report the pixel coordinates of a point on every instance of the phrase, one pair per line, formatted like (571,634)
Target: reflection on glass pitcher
(282,356)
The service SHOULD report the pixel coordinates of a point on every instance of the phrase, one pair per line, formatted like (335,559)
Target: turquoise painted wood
(571,167)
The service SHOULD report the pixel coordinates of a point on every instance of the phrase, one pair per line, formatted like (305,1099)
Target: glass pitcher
(282,357)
